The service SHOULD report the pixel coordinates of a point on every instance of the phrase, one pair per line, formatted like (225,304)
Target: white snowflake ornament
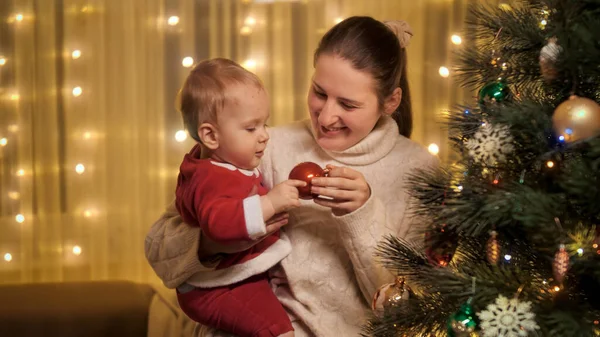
(490,144)
(507,318)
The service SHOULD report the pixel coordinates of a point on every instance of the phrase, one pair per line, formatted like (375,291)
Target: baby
(225,109)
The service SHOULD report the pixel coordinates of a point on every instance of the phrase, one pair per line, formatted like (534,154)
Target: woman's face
(342,103)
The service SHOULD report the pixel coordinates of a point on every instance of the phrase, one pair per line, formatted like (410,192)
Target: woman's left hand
(346,186)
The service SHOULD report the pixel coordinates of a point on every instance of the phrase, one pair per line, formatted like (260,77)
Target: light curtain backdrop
(88,153)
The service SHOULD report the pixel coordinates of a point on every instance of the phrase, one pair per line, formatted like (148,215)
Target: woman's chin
(333,144)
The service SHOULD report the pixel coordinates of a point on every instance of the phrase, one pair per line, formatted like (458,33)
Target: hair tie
(402,30)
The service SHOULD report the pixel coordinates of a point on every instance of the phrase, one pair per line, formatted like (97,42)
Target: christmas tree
(511,244)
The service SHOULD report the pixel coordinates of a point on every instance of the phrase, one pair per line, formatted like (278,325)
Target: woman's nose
(328,114)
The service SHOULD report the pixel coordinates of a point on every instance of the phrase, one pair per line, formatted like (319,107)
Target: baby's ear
(209,136)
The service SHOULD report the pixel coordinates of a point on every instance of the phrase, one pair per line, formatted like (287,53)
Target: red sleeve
(219,203)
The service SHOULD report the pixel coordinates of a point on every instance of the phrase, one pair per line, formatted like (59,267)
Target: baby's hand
(284,196)
(281,198)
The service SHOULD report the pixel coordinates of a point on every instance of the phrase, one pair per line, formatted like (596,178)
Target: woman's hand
(347,187)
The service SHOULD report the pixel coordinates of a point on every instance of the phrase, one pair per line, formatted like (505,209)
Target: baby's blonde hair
(204,93)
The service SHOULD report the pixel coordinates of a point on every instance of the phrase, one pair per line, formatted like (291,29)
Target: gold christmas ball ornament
(576,118)
(390,295)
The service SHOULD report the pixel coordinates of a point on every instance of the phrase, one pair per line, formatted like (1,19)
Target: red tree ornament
(306,171)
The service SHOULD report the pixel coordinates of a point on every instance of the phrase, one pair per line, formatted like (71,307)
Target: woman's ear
(209,136)
(392,102)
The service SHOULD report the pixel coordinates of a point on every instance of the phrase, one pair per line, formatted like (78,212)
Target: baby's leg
(245,309)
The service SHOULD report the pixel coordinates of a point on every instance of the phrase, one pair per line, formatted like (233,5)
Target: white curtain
(88,153)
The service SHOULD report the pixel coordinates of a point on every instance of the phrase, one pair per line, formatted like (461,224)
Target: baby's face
(242,128)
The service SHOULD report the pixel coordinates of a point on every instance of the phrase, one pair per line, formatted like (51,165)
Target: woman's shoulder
(413,153)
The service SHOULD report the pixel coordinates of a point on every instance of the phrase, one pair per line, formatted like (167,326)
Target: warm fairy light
(459,188)
(88,213)
(180,136)
(338,20)
(580,251)
(595,245)
(245,30)
(3,141)
(456,39)
(7,257)
(2,61)
(496,181)
(75,54)
(87,135)
(444,72)
(187,61)
(19,17)
(76,250)
(250,64)
(14,97)
(13,128)
(20,218)
(433,148)
(79,168)
(507,257)
(173,20)
(556,288)
(77,91)
(21,172)
(250,21)
(14,195)
(550,163)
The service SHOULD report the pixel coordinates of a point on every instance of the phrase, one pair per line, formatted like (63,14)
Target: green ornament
(494,92)
(463,323)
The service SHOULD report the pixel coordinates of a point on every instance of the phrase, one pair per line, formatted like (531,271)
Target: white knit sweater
(328,280)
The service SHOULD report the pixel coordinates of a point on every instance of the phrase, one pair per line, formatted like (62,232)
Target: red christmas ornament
(440,246)
(306,171)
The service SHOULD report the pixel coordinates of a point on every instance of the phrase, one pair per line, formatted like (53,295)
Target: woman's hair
(373,47)
(205,91)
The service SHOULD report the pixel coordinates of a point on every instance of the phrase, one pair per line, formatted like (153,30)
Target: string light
(173,20)
(245,30)
(249,64)
(79,168)
(20,218)
(556,288)
(76,54)
(444,72)
(77,250)
(433,148)
(77,91)
(7,257)
(187,61)
(3,141)
(180,136)
(87,135)
(250,21)
(14,97)
(13,195)
(20,172)
(507,257)
(580,251)
(87,213)
(19,17)
(456,39)
(550,164)
(2,61)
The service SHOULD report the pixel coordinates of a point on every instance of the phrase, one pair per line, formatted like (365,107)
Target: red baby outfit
(224,202)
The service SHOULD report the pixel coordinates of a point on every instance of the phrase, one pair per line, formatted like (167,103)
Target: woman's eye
(347,106)
(251,129)
(320,94)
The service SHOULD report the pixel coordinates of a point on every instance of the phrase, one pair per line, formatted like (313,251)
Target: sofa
(91,309)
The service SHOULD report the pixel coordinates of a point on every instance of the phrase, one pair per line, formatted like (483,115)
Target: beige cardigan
(327,282)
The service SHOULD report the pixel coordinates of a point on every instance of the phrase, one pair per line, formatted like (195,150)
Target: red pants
(245,309)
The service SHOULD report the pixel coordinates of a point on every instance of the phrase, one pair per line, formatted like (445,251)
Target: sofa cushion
(90,309)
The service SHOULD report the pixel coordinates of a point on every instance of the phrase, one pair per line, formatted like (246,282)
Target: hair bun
(402,30)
